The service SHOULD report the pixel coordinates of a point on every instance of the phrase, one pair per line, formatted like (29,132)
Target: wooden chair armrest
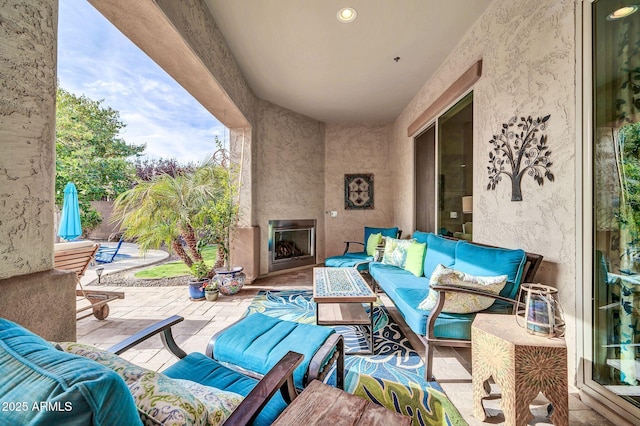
(347,243)
(279,377)
(163,327)
(333,347)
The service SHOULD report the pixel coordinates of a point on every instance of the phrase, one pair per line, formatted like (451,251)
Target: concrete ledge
(44,302)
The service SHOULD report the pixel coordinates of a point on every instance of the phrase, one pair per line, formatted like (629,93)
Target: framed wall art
(358,192)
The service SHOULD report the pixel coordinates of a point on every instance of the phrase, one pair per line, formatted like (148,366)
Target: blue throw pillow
(54,387)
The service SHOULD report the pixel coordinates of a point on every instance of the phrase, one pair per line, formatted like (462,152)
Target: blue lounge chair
(108,254)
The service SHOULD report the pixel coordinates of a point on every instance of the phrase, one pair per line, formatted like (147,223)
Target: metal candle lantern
(540,310)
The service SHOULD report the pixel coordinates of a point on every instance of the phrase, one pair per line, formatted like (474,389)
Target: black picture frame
(358,191)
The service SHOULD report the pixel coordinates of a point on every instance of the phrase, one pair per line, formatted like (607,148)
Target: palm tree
(171,210)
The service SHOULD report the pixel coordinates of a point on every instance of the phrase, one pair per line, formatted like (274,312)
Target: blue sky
(96,60)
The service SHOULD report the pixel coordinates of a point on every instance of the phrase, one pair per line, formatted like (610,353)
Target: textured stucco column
(31,292)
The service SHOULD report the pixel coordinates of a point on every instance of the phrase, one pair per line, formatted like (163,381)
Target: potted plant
(200,272)
(220,218)
(211,291)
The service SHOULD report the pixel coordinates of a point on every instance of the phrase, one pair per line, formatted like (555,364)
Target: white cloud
(96,60)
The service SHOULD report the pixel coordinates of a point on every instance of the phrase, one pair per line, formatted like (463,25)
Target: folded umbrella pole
(70,227)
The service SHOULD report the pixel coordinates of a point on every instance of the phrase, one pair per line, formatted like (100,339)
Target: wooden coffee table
(339,294)
(320,404)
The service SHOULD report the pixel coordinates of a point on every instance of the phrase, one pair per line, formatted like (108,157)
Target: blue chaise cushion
(74,390)
(258,342)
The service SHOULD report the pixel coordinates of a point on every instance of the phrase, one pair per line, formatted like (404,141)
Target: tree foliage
(147,169)
(90,153)
(629,216)
(182,212)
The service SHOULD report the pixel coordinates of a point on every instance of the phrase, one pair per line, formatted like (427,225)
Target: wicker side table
(522,365)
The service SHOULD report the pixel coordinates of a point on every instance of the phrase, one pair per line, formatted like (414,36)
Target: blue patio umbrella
(70,227)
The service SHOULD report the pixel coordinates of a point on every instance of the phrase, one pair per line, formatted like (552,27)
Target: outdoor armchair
(364,253)
(87,385)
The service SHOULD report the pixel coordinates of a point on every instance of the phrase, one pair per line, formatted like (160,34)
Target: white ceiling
(296,54)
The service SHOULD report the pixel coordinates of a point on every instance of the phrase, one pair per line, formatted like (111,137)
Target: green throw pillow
(415,258)
(462,303)
(372,243)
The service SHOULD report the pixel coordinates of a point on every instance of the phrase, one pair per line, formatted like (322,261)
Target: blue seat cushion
(390,278)
(198,368)
(491,261)
(75,390)
(257,342)
(348,260)
(449,326)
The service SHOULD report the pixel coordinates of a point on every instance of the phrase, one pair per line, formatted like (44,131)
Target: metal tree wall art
(519,151)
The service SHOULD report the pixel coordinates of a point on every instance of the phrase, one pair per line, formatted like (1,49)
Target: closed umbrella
(70,227)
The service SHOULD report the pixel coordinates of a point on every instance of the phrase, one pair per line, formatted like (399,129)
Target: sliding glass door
(616,199)
(444,173)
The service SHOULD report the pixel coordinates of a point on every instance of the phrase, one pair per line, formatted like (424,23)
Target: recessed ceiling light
(347,14)
(623,12)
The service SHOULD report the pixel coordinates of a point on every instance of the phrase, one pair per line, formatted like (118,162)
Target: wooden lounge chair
(76,257)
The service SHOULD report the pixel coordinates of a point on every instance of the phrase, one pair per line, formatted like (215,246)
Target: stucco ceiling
(296,54)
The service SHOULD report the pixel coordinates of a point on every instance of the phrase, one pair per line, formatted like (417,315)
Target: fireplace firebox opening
(292,243)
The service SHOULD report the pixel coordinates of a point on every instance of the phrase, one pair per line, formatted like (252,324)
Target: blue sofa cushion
(439,251)
(489,261)
(75,390)
(198,368)
(258,342)
(421,237)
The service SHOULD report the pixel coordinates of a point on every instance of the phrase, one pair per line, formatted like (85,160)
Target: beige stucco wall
(350,149)
(289,172)
(27,135)
(31,292)
(528,50)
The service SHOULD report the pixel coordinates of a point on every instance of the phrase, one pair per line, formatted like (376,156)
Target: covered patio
(511,58)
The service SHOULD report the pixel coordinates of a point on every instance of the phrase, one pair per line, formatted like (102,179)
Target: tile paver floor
(143,306)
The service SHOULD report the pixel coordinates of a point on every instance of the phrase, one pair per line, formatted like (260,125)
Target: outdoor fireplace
(292,243)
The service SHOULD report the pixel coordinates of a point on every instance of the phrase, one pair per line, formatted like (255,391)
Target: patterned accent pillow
(161,399)
(395,251)
(462,303)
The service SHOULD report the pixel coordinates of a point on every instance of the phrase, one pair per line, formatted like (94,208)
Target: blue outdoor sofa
(434,327)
